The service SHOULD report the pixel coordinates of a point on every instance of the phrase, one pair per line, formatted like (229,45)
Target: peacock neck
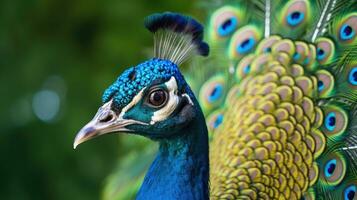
(181,168)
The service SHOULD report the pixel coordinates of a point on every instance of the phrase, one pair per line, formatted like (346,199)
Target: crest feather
(176,36)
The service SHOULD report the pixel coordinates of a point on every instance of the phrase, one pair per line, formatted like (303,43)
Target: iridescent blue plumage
(136,78)
(180,170)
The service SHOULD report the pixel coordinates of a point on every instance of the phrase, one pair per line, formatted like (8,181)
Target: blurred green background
(56,59)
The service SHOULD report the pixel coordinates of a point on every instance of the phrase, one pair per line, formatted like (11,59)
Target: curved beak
(105,121)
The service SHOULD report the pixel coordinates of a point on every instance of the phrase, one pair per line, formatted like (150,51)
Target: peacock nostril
(106,117)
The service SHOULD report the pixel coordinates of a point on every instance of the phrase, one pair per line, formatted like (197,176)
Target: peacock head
(153,99)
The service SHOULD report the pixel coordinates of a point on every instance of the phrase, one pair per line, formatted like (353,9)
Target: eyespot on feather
(349,193)
(212,92)
(347,29)
(352,76)
(335,122)
(325,83)
(244,41)
(325,50)
(225,21)
(295,13)
(349,76)
(333,169)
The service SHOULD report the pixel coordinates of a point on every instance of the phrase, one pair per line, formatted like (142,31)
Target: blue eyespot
(296,56)
(330,121)
(320,54)
(330,168)
(347,32)
(216,93)
(306,61)
(350,192)
(228,26)
(352,76)
(218,121)
(320,85)
(246,69)
(295,18)
(246,45)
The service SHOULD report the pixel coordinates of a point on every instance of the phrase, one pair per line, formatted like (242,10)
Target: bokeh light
(46,104)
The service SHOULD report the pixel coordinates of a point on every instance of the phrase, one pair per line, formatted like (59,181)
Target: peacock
(267,110)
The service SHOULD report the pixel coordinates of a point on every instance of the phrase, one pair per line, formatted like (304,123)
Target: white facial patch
(170,106)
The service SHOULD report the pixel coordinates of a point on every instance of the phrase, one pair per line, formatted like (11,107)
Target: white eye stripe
(170,106)
(135,100)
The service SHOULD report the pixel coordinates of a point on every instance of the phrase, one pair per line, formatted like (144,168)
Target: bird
(266,109)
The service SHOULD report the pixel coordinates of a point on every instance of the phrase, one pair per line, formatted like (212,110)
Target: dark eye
(157,98)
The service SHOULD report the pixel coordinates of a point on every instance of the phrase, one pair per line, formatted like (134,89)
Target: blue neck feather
(181,168)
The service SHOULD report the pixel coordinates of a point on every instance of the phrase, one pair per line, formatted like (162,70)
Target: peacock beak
(105,121)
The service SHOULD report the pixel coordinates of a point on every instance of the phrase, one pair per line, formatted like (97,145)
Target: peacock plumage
(276,102)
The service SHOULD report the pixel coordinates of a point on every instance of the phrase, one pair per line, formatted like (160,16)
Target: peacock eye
(330,121)
(352,76)
(157,98)
(350,192)
(295,18)
(320,54)
(330,168)
(346,32)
